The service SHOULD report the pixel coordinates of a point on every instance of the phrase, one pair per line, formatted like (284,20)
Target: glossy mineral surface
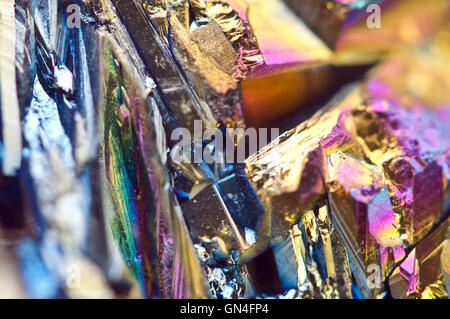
(133,162)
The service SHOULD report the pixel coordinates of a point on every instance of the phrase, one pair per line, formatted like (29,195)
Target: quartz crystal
(133,162)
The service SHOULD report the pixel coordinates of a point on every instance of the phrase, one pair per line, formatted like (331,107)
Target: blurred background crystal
(350,201)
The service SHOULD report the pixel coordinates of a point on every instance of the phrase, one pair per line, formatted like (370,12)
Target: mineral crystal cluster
(227,149)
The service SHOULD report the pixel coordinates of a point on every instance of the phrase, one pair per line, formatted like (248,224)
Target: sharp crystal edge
(162,255)
(100,196)
(377,171)
(52,228)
